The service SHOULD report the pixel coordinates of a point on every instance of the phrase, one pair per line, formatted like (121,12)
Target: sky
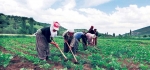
(112,16)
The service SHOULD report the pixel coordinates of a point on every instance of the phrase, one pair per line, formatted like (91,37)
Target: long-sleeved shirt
(46,32)
(78,35)
(91,31)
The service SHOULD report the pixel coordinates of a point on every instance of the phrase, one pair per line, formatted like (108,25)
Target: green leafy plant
(69,64)
(95,60)
(144,67)
(78,67)
(111,50)
(5,58)
(46,66)
(56,59)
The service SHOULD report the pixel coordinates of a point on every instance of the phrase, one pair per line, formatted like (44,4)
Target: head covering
(95,29)
(71,30)
(56,25)
(92,27)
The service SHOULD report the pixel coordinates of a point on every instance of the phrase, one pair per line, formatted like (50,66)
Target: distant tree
(144,35)
(31,29)
(13,23)
(9,30)
(1,14)
(113,34)
(130,32)
(21,25)
(3,23)
(22,30)
(1,30)
(120,36)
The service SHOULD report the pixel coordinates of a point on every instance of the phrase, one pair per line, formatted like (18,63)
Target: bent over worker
(90,38)
(68,36)
(76,40)
(43,38)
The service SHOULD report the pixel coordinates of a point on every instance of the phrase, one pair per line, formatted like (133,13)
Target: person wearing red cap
(44,36)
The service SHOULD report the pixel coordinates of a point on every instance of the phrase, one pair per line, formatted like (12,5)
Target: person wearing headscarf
(90,38)
(68,37)
(44,36)
(91,30)
(76,40)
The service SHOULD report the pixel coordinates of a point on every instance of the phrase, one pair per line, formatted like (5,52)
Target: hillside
(141,31)
(10,24)
(78,30)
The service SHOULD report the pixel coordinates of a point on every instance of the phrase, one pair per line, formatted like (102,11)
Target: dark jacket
(91,31)
(46,32)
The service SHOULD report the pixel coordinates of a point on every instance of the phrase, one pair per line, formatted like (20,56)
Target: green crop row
(5,58)
(109,54)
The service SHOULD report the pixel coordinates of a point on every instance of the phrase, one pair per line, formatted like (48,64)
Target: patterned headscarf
(55,26)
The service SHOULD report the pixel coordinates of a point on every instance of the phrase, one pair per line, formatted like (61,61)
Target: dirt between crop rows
(16,63)
(129,65)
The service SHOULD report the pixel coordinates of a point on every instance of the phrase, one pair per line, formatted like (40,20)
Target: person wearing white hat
(68,37)
(43,38)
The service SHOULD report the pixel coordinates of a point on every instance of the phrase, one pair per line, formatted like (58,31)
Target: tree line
(21,25)
(10,24)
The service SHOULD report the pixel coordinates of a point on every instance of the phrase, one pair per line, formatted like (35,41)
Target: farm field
(19,53)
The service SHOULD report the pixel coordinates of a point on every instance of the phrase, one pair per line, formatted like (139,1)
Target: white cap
(71,30)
